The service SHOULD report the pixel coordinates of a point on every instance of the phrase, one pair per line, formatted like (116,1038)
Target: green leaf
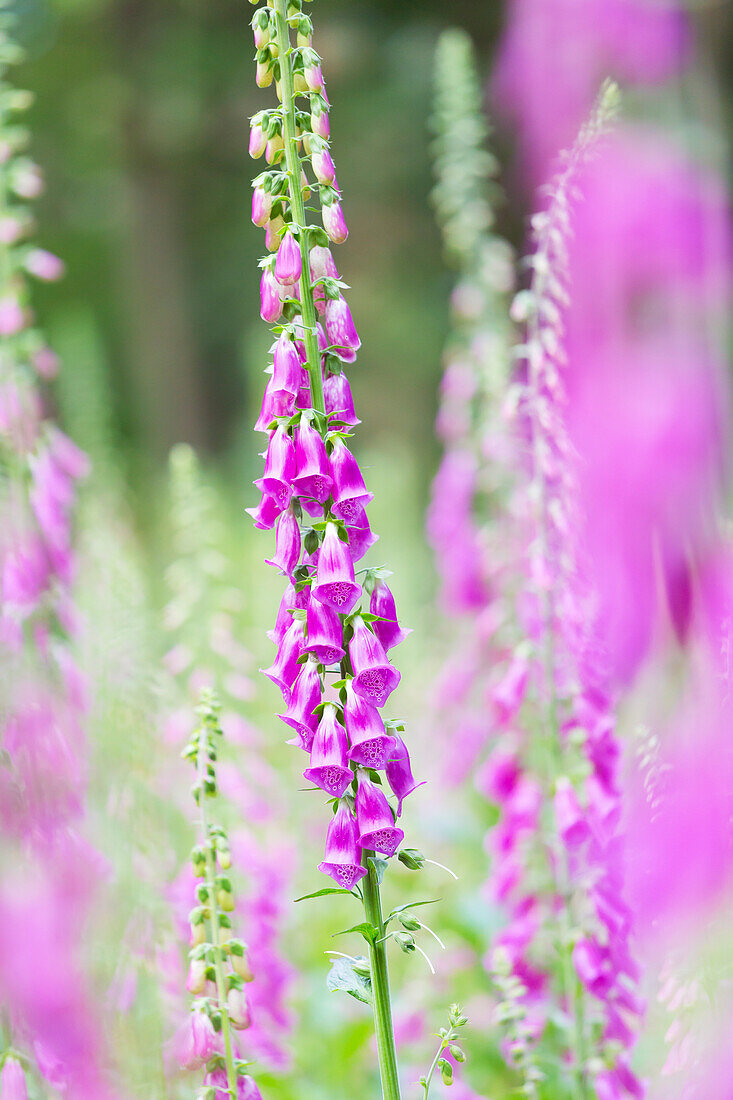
(368,931)
(327,890)
(344,976)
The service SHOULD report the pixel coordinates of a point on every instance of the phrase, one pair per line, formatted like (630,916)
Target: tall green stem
(383,1024)
(297,206)
(221,991)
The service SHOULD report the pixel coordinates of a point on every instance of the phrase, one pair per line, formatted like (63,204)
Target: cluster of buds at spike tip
(219,968)
(312,488)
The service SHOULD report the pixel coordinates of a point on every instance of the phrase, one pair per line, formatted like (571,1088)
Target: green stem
(383,1025)
(433,1067)
(221,991)
(553,744)
(297,206)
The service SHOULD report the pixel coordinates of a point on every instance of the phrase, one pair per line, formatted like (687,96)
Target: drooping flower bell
(339,401)
(288,260)
(238,1009)
(374,677)
(350,494)
(341,330)
(370,745)
(196,1041)
(329,768)
(287,372)
(265,514)
(261,205)
(291,601)
(342,858)
(285,667)
(305,695)
(335,584)
(377,830)
(271,305)
(279,468)
(334,222)
(313,478)
(361,536)
(399,772)
(287,544)
(325,633)
(387,628)
(571,821)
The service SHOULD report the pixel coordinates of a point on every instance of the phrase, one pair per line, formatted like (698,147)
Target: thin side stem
(383,1024)
(221,991)
(297,206)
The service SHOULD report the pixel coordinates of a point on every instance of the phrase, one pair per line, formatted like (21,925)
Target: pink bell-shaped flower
(350,494)
(370,745)
(342,858)
(325,633)
(305,696)
(329,764)
(374,677)
(335,584)
(377,830)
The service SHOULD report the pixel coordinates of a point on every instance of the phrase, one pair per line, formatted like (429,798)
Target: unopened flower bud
(334,222)
(241,967)
(44,265)
(274,149)
(261,205)
(196,980)
(238,1009)
(225,900)
(12,1080)
(272,233)
(198,934)
(446,1071)
(264,74)
(257,140)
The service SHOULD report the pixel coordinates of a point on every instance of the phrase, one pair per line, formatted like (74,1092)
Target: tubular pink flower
(323,166)
(305,696)
(12,1080)
(334,222)
(266,513)
(399,773)
(240,1016)
(370,745)
(12,317)
(287,368)
(287,544)
(361,536)
(313,477)
(285,667)
(341,330)
(342,858)
(44,265)
(329,767)
(338,400)
(377,830)
(313,76)
(320,123)
(288,260)
(271,305)
(350,494)
(197,1041)
(374,677)
(279,468)
(291,601)
(325,633)
(261,205)
(335,584)
(389,631)
(257,141)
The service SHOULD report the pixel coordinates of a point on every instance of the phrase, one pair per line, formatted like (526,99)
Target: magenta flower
(335,584)
(340,329)
(266,513)
(329,767)
(287,544)
(350,494)
(279,468)
(571,823)
(342,859)
(338,399)
(271,305)
(325,633)
(12,317)
(285,667)
(370,745)
(288,371)
(389,631)
(313,477)
(375,820)
(361,536)
(291,601)
(399,772)
(288,261)
(320,123)
(305,696)
(374,677)
(196,1041)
